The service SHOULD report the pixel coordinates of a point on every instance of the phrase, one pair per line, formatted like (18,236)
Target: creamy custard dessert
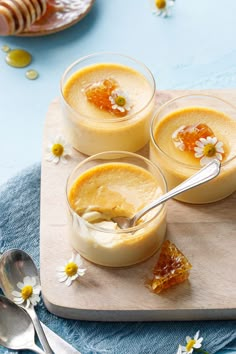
(108,190)
(185,139)
(107,106)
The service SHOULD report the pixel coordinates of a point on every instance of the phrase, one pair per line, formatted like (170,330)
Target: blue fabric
(19,228)
(232,346)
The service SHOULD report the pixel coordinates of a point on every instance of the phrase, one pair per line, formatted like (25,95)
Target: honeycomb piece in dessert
(99,94)
(186,136)
(171,268)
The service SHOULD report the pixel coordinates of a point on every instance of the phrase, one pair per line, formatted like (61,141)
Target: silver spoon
(15,264)
(16,328)
(206,173)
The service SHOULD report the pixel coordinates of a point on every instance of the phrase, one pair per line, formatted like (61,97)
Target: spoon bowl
(16,328)
(205,174)
(15,265)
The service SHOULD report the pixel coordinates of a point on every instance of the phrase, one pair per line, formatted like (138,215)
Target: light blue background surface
(195,48)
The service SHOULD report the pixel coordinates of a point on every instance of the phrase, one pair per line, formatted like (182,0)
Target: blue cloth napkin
(19,228)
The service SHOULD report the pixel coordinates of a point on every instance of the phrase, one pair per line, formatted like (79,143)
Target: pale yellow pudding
(107,106)
(178,160)
(108,190)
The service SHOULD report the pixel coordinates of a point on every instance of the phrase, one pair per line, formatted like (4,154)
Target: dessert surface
(82,89)
(113,189)
(220,125)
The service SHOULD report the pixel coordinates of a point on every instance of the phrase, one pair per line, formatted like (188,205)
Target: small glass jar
(92,129)
(216,113)
(119,247)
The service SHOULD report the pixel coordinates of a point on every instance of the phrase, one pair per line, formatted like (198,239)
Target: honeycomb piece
(171,268)
(99,93)
(185,138)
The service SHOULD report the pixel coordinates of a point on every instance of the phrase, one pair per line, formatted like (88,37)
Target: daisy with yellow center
(192,343)
(58,150)
(29,292)
(71,270)
(179,351)
(162,7)
(208,149)
(120,100)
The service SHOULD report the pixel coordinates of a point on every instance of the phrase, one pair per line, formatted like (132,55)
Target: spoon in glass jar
(15,265)
(208,172)
(16,328)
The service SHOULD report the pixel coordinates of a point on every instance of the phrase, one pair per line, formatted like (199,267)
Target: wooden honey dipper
(17,16)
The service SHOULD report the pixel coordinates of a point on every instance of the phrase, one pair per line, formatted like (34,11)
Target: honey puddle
(20,58)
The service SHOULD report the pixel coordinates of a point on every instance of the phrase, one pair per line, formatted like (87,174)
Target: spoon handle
(207,173)
(39,330)
(36,349)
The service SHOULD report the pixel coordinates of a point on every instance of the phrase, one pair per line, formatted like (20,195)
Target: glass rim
(158,111)
(111,120)
(119,231)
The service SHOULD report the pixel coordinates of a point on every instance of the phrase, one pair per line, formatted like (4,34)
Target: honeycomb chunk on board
(171,268)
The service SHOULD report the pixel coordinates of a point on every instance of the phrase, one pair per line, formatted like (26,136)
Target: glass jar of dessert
(107,101)
(108,185)
(187,133)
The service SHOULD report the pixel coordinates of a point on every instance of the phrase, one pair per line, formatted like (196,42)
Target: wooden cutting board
(206,234)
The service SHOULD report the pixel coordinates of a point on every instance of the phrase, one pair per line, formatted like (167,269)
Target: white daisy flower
(192,343)
(120,100)
(29,292)
(58,150)
(71,270)
(179,351)
(162,7)
(207,149)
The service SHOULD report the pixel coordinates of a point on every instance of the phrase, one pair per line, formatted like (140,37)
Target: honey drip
(6,48)
(185,138)
(172,268)
(31,74)
(99,93)
(18,58)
